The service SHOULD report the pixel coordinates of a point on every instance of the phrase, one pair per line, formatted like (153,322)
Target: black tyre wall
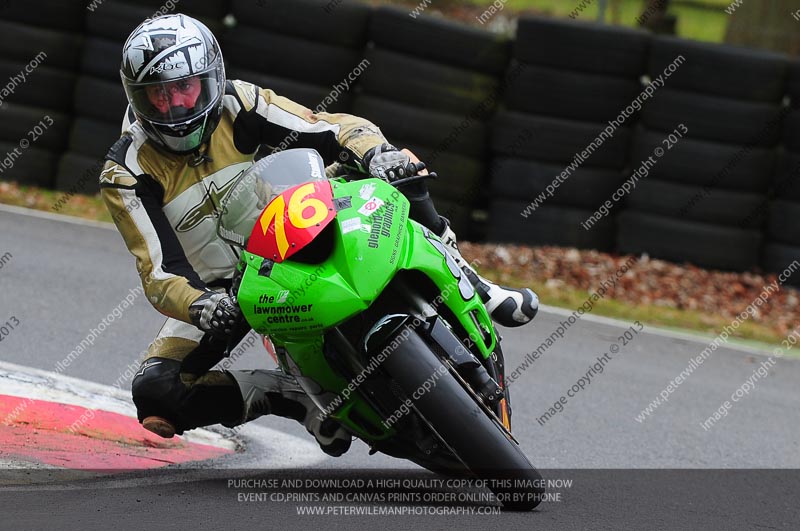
(214,9)
(793,85)
(22,43)
(116,20)
(680,241)
(343,25)
(784,222)
(441,131)
(78,173)
(444,41)
(100,99)
(777,257)
(721,207)
(557,140)
(566,94)
(720,70)
(43,86)
(101,58)
(702,162)
(791,138)
(584,47)
(32,166)
(56,14)
(714,118)
(289,57)
(312,96)
(427,84)
(512,178)
(548,225)
(93,138)
(787,177)
(17,122)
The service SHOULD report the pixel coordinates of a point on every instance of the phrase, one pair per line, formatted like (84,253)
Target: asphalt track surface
(64,278)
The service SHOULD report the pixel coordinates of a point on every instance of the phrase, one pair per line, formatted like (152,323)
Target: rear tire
(463,425)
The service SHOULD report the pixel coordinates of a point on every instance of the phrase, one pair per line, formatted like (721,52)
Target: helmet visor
(175,102)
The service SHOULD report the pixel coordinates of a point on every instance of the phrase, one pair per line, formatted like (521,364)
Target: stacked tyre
(703,200)
(99,99)
(431,85)
(40,50)
(300,49)
(566,82)
(783,230)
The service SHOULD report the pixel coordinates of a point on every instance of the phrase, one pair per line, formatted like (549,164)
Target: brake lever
(413,178)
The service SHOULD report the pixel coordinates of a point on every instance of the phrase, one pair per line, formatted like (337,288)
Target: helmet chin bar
(180,145)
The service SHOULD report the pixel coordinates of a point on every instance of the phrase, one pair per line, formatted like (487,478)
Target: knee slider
(157,388)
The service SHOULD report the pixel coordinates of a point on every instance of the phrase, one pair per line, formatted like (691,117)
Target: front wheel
(462,425)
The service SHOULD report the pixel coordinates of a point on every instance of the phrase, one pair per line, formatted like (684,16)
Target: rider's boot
(508,307)
(276,393)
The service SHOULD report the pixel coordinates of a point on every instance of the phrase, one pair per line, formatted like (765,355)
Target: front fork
(486,377)
(489,381)
(497,369)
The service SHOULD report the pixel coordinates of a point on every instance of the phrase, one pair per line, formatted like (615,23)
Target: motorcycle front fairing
(356,250)
(318,253)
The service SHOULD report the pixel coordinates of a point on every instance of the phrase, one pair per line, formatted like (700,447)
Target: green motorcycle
(371,315)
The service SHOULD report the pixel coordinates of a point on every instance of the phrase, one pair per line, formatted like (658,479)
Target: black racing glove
(388,163)
(215,313)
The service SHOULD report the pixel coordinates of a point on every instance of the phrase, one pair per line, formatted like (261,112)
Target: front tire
(463,426)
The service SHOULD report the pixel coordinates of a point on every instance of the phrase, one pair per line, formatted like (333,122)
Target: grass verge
(752,334)
(82,206)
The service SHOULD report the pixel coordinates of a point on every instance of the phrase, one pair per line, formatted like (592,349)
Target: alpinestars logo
(147,365)
(207,208)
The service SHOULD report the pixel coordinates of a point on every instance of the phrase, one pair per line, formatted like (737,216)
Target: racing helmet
(174,78)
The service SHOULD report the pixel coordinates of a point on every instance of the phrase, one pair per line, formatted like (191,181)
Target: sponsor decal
(282,310)
(166,66)
(342,203)
(282,314)
(371,206)
(231,236)
(381,226)
(287,313)
(313,161)
(275,299)
(350,225)
(366,191)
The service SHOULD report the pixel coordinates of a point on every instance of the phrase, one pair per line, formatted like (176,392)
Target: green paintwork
(297,303)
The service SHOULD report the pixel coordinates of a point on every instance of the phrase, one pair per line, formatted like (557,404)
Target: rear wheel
(462,425)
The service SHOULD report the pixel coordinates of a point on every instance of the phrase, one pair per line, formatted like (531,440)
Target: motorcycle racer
(188,133)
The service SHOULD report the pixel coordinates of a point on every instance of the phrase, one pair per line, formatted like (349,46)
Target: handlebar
(413,178)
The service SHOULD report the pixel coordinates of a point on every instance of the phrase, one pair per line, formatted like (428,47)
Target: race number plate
(292,220)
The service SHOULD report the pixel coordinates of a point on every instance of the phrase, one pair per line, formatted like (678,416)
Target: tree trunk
(770,24)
